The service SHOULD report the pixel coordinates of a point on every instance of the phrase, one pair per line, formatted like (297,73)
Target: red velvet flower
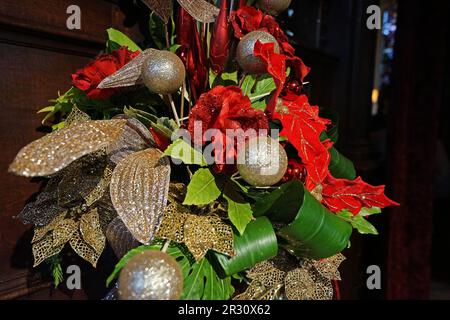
(224,108)
(340,194)
(88,78)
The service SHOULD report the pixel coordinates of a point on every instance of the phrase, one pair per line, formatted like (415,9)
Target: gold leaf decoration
(76,115)
(58,149)
(44,249)
(200,10)
(163,8)
(329,268)
(139,188)
(135,137)
(64,231)
(198,233)
(129,75)
(99,190)
(91,231)
(299,285)
(257,291)
(120,238)
(40,232)
(83,249)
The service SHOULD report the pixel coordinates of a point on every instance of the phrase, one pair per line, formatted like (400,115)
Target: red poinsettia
(247,19)
(340,194)
(302,126)
(88,78)
(224,108)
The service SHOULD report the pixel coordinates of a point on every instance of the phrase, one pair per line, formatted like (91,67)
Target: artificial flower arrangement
(200,162)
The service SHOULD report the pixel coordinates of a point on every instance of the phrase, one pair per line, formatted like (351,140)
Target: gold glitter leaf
(329,268)
(64,231)
(76,115)
(40,232)
(100,189)
(139,188)
(200,10)
(258,291)
(299,285)
(44,249)
(56,150)
(83,249)
(91,231)
(162,8)
(129,74)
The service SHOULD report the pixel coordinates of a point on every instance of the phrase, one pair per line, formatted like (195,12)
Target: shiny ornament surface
(245,48)
(151,275)
(163,72)
(273,7)
(262,162)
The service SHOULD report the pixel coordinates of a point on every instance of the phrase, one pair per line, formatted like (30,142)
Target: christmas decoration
(167,155)
(245,51)
(273,7)
(151,275)
(262,162)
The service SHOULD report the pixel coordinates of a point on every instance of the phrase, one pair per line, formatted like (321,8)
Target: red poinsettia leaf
(302,126)
(340,194)
(276,67)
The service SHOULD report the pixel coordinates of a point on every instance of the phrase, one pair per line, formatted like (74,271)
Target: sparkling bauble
(262,162)
(163,72)
(244,52)
(273,7)
(151,275)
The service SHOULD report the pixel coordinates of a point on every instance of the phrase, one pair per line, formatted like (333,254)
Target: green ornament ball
(273,7)
(151,275)
(262,162)
(245,48)
(163,72)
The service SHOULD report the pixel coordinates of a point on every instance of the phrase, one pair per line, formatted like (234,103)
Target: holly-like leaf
(302,126)
(239,211)
(202,189)
(358,222)
(183,151)
(122,40)
(342,194)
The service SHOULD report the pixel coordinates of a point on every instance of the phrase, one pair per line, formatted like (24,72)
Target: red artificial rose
(88,78)
(248,19)
(302,127)
(224,108)
(340,194)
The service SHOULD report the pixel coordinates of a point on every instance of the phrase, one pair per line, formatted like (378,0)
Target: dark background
(405,145)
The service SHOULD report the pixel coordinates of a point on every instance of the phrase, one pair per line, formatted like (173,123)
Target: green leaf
(247,85)
(333,129)
(202,189)
(312,231)
(224,79)
(156,27)
(174,48)
(257,244)
(366,212)
(47,109)
(264,86)
(259,105)
(358,222)
(56,270)
(340,166)
(239,211)
(122,39)
(183,151)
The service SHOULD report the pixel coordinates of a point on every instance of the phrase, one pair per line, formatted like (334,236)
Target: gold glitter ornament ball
(151,275)
(274,7)
(262,162)
(245,48)
(163,72)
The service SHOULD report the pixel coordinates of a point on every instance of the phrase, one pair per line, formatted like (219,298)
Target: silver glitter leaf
(120,238)
(129,75)
(135,137)
(57,150)
(139,189)
(163,8)
(200,10)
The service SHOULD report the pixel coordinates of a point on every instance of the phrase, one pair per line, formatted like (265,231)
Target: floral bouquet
(200,162)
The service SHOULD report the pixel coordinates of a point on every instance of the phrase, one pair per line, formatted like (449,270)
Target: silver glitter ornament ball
(244,52)
(262,162)
(274,7)
(151,275)
(163,72)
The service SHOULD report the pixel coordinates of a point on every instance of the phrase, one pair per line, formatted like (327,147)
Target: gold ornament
(245,51)
(273,7)
(151,275)
(262,162)
(139,188)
